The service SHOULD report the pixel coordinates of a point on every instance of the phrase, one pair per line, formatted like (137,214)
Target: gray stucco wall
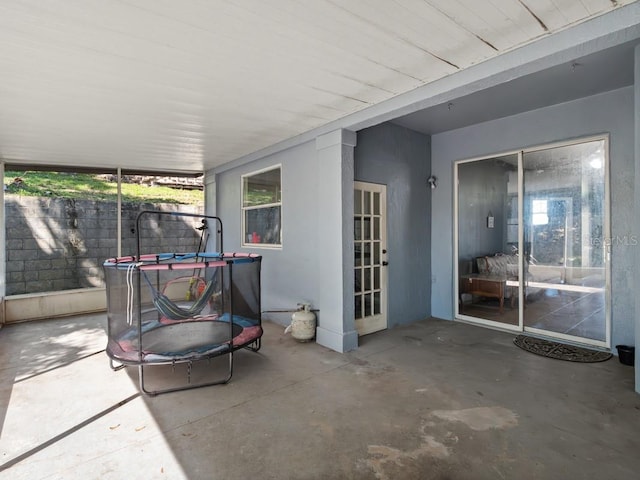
(400,159)
(610,112)
(289,274)
(387,154)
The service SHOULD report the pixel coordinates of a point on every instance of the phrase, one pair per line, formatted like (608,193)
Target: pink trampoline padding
(125,350)
(248,335)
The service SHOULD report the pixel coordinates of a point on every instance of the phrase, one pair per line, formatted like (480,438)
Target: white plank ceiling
(192,84)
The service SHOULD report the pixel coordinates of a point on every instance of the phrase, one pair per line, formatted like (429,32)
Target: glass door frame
(520,327)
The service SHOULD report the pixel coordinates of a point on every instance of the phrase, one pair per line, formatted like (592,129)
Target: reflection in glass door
(532,232)
(487,233)
(565,225)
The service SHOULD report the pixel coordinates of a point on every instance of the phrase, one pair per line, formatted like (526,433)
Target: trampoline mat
(187,336)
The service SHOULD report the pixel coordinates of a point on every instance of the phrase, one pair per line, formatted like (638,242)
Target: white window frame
(539,212)
(243,210)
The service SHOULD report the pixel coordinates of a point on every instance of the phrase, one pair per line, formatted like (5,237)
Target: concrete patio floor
(431,400)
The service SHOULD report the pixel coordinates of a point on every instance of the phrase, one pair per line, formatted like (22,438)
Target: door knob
(385,263)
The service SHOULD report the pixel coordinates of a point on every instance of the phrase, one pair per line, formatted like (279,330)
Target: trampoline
(170,308)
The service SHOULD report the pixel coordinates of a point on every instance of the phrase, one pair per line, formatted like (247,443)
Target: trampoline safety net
(175,307)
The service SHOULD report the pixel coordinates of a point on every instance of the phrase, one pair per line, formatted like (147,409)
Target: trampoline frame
(223,258)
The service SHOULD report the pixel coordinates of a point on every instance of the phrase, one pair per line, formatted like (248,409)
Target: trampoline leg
(230,366)
(115,367)
(141,381)
(255,345)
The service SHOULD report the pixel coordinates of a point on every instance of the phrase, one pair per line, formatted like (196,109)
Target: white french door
(370,265)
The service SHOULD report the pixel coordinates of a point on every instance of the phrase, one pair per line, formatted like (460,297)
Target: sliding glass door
(532,232)
(565,241)
(488,269)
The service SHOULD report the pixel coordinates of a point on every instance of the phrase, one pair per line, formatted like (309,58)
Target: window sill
(265,246)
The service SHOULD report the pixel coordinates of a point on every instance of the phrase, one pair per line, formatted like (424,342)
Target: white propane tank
(303,323)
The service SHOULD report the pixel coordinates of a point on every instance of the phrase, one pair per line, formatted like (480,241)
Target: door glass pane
(367,228)
(367,203)
(358,306)
(357,228)
(376,278)
(376,253)
(488,239)
(376,203)
(564,225)
(376,303)
(358,281)
(358,254)
(367,305)
(367,279)
(366,254)
(376,228)
(357,202)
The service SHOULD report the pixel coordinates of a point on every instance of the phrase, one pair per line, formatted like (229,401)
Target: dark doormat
(560,351)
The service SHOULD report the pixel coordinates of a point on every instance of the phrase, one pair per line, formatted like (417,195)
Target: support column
(336,324)
(210,206)
(636,227)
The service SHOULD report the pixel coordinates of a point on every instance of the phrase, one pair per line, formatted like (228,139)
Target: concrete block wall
(60,244)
